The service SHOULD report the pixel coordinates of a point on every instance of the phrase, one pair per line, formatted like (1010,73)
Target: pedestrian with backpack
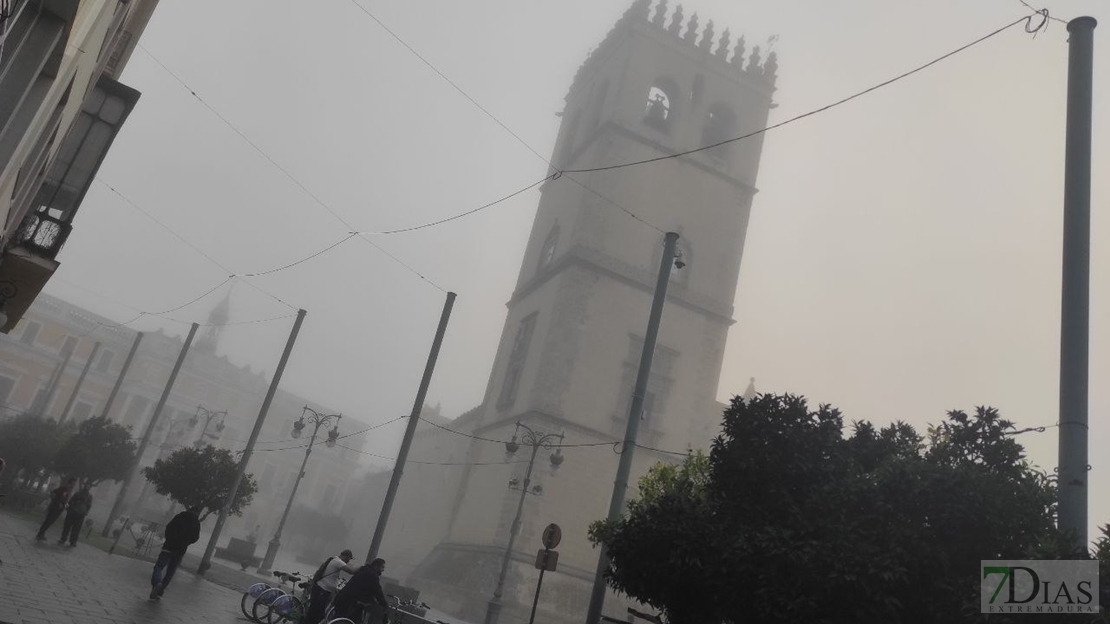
(59,498)
(325,583)
(79,506)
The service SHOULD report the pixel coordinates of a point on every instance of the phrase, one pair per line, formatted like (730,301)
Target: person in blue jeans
(182,532)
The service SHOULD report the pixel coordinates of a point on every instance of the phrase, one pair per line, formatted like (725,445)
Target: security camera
(679,263)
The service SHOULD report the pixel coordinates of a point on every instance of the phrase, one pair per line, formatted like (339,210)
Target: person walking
(364,587)
(79,506)
(182,532)
(325,583)
(58,499)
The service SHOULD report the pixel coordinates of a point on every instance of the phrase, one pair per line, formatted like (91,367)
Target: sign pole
(539,583)
(546,560)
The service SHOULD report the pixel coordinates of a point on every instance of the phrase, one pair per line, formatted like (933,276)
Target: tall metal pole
(493,609)
(38,406)
(118,505)
(410,430)
(616,503)
(107,413)
(1075,307)
(206,560)
(52,386)
(80,382)
(162,448)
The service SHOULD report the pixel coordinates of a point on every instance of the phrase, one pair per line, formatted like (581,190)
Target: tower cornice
(721,53)
(641,279)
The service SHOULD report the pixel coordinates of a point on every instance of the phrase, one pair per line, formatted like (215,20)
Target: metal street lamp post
(537,440)
(318,420)
(209,415)
(168,443)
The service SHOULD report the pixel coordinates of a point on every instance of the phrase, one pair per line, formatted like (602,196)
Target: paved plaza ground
(44,583)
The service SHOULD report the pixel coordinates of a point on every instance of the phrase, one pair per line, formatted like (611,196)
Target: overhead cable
(285,172)
(1028,21)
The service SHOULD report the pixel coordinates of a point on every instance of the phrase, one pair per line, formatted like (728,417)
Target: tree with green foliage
(100,450)
(201,478)
(29,444)
(789,520)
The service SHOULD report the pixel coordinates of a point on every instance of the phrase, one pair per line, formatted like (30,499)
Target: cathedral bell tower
(661,82)
(217,320)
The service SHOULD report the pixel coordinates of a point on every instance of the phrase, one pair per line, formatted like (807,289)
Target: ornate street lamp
(208,417)
(537,440)
(317,420)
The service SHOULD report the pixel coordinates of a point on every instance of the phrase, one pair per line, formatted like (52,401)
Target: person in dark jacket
(79,506)
(182,532)
(58,499)
(364,587)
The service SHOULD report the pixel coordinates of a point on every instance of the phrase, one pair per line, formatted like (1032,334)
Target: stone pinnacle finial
(638,9)
(755,60)
(771,67)
(707,37)
(738,54)
(722,47)
(691,29)
(660,13)
(676,21)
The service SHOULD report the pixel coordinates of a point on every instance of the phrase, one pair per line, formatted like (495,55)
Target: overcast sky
(903,256)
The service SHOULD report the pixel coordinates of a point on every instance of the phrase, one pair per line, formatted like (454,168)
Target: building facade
(61,106)
(42,359)
(659,84)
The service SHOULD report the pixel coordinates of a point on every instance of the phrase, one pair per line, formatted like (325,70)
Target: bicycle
(251,595)
(394,613)
(260,610)
(292,608)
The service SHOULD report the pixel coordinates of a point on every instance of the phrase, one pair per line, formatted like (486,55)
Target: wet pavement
(45,583)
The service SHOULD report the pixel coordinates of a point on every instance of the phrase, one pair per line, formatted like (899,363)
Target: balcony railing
(43,233)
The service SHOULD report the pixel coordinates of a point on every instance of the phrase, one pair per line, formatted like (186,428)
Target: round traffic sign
(552,535)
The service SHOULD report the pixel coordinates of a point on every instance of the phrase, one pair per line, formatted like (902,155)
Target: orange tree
(100,450)
(790,520)
(201,478)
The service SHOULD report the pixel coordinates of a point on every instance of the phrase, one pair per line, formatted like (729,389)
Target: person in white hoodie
(326,583)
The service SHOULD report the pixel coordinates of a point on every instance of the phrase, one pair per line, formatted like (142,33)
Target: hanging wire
(506,128)
(1027,20)
(285,172)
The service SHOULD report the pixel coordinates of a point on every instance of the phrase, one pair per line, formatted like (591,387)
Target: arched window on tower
(547,253)
(661,101)
(720,125)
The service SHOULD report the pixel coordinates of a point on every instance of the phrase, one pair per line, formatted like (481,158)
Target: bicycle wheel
(250,596)
(261,608)
(286,609)
(341,621)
